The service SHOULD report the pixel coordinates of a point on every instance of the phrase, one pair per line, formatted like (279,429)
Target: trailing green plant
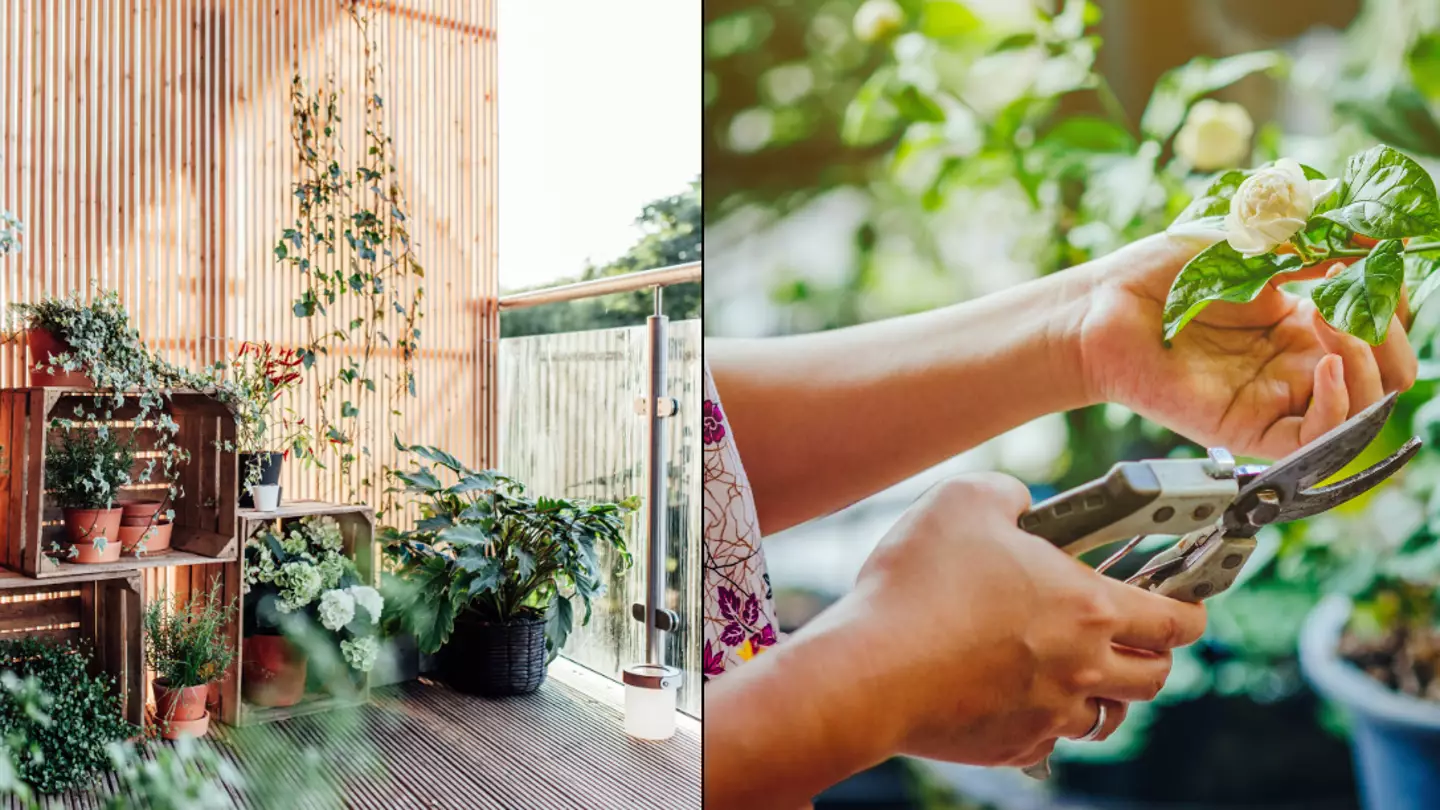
(351,248)
(301,575)
(482,548)
(85,469)
(187,645)
(107,348)
(66,736)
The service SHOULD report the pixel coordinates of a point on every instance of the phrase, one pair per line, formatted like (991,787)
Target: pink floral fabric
(739,604)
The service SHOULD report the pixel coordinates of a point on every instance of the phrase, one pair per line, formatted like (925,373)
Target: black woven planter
(494,659)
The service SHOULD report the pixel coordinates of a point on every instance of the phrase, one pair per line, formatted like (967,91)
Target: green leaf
(871,116)
(1361,299)
(488,575)
(944,19)
(1385,195)
(1219,273)
(1215,200)
(558,624)
(420,481)
(1179,88)
(1422,270)
(524,562)
(348,410)
(1088,133)
(472,482)
(1424,63)
(466,534)
(917,106)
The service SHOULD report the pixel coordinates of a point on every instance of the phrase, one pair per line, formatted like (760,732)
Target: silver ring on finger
(1094,732)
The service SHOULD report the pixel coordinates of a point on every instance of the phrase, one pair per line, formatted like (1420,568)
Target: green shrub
(187,645)
(67,743)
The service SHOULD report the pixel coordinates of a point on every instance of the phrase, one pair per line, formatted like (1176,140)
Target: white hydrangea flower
(360,653)
(370,599)
(337,609)
(1216,135)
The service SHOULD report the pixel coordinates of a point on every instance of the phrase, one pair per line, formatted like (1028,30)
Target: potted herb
(487,577)
(85,470)
(266,432)
(188,649)
(298,579)
(65,746)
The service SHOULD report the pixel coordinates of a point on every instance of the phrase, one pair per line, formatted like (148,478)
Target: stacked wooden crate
(100,605)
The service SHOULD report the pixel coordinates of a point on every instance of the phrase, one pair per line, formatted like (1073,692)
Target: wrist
(1067,299)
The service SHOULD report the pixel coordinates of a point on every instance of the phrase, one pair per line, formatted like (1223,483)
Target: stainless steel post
(657,471)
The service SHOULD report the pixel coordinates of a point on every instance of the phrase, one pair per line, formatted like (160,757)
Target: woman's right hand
(984,644)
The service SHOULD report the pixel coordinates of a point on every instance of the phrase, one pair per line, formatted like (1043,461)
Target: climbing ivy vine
(361,293)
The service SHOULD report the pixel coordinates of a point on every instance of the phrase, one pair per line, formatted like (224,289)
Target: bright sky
(599,114)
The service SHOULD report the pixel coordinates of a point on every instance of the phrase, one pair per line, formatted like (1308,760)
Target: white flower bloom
(370,599)
(1215,136)
(337,608)
(878,19)
(1268,208)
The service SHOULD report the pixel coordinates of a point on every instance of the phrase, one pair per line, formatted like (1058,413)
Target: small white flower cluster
(360,653)
(337,609)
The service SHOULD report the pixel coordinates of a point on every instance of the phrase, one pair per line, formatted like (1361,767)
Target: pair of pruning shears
(1216,506)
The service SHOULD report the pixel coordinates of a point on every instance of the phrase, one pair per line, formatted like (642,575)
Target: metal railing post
(657,465)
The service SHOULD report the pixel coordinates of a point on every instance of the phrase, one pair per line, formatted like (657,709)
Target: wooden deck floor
(421,745)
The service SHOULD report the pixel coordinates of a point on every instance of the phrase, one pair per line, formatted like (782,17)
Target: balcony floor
(435,748)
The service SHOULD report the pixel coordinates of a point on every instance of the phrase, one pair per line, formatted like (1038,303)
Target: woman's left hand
(1260,379)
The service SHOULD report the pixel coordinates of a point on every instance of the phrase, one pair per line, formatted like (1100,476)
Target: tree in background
(672,236)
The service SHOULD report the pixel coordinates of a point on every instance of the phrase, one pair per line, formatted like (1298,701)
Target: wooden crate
(204,518)
(101,613)
(357,526)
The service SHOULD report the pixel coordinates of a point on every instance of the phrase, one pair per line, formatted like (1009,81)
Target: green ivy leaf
(1179,88)
(1385,195)
(348,410)
(1219,273)
(1361,299)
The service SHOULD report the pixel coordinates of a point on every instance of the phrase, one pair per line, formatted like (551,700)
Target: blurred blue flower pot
(1395,737)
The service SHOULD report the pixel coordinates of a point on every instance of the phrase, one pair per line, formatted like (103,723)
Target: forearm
(795,720)
(824,420)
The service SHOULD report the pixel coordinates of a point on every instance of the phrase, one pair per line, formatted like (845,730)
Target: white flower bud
(1215,136)
(1270,206)
(878,19)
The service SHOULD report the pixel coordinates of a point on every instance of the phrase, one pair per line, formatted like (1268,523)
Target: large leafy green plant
(483,548)
(65,736)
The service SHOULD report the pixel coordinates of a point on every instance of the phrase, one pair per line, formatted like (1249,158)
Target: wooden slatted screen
(146,146)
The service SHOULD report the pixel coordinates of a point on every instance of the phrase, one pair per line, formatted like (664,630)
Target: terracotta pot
(185,703)
(85,525)
(157,537)
(175,729)
(139,513)
(44,345)
(274,671)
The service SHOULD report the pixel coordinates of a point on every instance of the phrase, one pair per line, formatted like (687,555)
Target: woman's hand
(994,642)
(965,639)
(1261,378)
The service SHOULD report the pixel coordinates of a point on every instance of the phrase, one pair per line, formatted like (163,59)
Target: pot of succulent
(488,578)
(301,590)
(188,649)
(267,429)
(85,470)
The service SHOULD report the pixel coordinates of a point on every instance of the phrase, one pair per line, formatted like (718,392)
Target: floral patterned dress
(739,605)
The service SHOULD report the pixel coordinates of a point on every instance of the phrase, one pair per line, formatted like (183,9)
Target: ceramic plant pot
(156,537)
(185,703)
(140,513)
(43,346)
(270,464)
(274,671)
(83,526)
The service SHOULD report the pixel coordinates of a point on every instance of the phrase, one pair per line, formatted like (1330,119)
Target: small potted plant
(188,649)
(487,577)
(260,374)
(85,470)
(299,582)
(48,328)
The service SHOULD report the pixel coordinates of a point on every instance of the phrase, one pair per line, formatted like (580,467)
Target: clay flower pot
(185,703)
(274,671)
(175,729)
(140,513)
(83,526)
(44,345)
(156,537)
